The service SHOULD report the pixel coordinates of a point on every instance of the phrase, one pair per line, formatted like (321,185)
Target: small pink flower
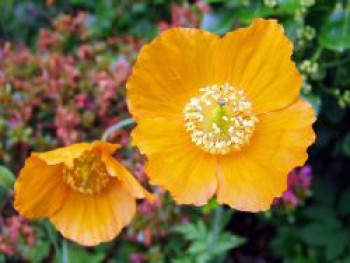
(290,198)
(137,258)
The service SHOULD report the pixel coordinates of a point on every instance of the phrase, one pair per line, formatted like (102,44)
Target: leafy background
(63,68)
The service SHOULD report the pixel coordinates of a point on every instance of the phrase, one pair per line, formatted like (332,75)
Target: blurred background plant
(63,68)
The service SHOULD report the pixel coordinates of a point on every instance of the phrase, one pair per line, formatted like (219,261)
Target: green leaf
(225,242)
(197,247)
(346,145)
(184,259)
(317,234)
(335,33)
(344,203)
(210,206)
(336,246)
(7,179)
(288,6)
(191,231)
(80,254)
(317,213)
(218,23)
(315,101)
(203,258)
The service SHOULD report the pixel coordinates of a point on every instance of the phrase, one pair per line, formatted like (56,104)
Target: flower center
(88,174)
(220,119)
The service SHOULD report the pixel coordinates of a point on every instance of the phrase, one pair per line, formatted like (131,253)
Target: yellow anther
(88,174)
(220,119)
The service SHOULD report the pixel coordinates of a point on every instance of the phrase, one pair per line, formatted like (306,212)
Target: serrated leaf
(203,258)
(225,242)
(191,231)
(202,230)
(197,247)
(7,179)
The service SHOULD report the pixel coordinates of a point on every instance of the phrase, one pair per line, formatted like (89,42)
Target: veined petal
(257,60)
(67,154)
(175,163)
(39,189)
(116,169)
(251,179)
(168,71)
(91,219)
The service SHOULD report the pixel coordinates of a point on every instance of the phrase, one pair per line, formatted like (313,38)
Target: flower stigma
(220,119)
(88,175)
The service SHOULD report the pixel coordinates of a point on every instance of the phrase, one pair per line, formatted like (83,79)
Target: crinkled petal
(169,71)
(175,163)
(257,60)
(116,169)
(39,189)
(251,179)
(91,219)
(67,154)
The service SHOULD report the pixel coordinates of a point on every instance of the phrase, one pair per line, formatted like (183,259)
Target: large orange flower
(221,116)
(86,193)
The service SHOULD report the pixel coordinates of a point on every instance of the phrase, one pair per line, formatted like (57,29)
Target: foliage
(63,67)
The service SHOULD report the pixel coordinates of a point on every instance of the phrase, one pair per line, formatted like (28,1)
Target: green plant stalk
(216,226)
(64,251)
(52,237)
(124,123)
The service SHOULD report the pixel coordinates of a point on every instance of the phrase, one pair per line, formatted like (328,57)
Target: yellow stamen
(220,119)
(88,174)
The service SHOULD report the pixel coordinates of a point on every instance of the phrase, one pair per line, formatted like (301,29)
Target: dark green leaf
(346,145)
(7,179)
(336,246)
(335,33)
(317,234)
(344,203)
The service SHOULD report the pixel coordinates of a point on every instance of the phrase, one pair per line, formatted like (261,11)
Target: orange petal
(116,169)
(159,135)
(105,147)
(64,155)
(169,71)
(67,154)
(258,60)
(251,179)
(175,163)
(39,189)
(91,219)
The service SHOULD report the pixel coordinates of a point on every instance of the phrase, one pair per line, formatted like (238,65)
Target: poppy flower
(87,194)
(220,116)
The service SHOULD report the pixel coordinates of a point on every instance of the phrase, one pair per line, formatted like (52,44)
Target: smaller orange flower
(87,194)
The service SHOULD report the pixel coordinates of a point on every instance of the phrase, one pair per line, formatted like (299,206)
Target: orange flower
(220,116)
(86,193)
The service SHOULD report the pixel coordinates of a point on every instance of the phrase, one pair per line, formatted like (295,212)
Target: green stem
(216,225)
(53,239)
(64,251)
(217,221)
(317,54)
(116,127)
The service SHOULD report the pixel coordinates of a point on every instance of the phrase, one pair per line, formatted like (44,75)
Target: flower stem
(64,251)
(53,239)
(124,123)
(216,225)
(217,220)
